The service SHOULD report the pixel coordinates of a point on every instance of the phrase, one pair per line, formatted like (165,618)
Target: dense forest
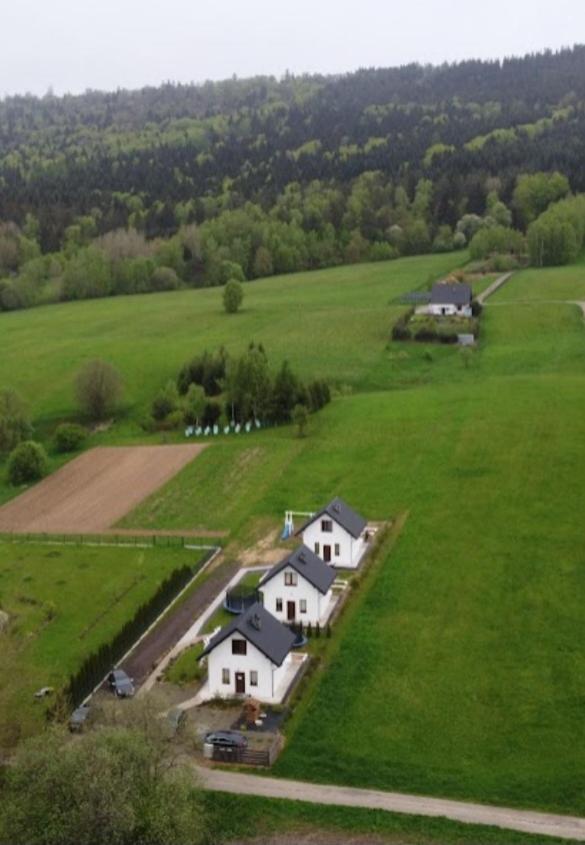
(183,184)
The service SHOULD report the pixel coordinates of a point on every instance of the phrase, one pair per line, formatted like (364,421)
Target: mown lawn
(63,603)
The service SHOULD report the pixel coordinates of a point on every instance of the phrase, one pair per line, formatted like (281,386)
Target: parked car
(79,718)
(226,739)
(121,684)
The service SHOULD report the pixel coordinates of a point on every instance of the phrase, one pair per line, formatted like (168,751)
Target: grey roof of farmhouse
(341,513)
(451,293)
(308,565)
(261,628)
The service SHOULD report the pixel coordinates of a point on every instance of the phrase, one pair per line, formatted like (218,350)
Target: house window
(317,547)
(290,579)
(253,678)
(337,551)
(279,605)
(303,605)
(225,676)
(326,526)
(239,646)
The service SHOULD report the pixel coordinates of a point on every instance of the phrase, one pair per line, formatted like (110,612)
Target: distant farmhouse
(448,299)
(298,589)
(251,656)
(337,534)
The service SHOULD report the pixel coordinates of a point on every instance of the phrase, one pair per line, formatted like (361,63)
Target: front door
(290,611)
(240,683)
(327,554)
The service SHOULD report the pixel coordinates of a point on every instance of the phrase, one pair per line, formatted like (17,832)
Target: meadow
(63,603)
(459,666)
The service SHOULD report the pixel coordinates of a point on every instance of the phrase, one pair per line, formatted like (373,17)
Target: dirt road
(140,663)
(528,821)
(91,493)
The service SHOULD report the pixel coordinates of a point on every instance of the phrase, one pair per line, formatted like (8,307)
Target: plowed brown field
(94,491)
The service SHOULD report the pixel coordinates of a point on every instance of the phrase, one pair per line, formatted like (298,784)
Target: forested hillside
(276,175)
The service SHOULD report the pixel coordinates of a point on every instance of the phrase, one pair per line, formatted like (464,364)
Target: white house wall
(277,589)
(269,675)
(439,310)
(350,550)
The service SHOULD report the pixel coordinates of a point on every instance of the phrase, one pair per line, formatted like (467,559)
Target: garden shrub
(69,437)
(27,462)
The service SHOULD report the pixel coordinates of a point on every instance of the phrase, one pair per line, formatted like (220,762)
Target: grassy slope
(461,670)
(64,602)
(330,323)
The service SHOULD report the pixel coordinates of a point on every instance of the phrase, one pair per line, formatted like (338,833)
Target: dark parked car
(79,718)
(226,739)
(121,684)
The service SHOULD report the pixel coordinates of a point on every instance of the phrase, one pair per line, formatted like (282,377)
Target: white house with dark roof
(449,299)
(337,534)
(250,656)
(298,589)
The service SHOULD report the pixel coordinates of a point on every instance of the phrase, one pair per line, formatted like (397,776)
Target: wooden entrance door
(240,683)
(327,554)
(290,611)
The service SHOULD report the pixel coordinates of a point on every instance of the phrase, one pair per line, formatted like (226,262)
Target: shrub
(233,296)
(27,462)
(69,437)
(98,388)
(496,239)
(165,278)
(165,402)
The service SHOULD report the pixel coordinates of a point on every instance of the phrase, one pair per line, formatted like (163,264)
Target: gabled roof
(260,628)
(341,513)
(451,293)
(308,565)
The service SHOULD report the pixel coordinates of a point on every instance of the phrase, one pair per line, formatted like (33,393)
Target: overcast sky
(72,45)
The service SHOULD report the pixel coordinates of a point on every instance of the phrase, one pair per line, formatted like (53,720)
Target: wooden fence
(249,756)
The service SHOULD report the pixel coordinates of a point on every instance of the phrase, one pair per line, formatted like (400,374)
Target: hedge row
(95,667)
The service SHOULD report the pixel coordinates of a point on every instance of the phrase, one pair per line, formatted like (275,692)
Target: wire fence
(143,541)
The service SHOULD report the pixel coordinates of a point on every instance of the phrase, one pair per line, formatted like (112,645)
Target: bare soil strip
(94,491)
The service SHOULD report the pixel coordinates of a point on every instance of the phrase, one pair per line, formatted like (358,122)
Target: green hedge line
(96,665)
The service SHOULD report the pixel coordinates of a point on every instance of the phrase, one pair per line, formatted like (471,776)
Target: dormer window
(239,646)
(327,526)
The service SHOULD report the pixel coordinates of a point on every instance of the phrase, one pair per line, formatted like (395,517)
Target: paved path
(141,661)
(501,280)
(527,821)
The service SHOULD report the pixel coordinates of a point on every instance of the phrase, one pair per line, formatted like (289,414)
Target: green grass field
(331,323)
(459,667)
(63,603)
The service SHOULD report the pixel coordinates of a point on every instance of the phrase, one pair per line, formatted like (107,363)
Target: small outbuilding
(450,299)
(337,534)
(298,589)
(250,656)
